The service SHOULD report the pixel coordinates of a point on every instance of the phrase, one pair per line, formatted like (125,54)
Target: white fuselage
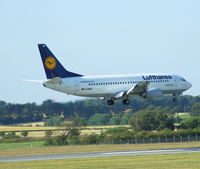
(108,86)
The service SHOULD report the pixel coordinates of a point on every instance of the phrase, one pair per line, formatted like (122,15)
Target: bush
(24,133)
(10,135)
(2,133)
(60,140)
(90,139)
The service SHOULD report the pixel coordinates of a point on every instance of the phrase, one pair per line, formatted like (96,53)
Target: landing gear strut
(110,102)
(126,101)
(174,99)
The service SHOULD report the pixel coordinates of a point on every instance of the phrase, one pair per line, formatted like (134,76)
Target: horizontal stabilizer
(34,81)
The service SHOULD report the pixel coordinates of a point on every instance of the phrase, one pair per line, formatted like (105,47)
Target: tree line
(95,112)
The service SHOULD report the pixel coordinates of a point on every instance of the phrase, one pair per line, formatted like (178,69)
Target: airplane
(109,87)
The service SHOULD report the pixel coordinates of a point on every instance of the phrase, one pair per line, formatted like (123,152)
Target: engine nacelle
(153,92)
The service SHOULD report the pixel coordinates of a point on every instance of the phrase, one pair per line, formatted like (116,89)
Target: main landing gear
(110,102)
(174,99)
(125,102)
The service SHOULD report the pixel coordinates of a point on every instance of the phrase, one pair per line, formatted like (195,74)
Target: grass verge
(23,145)
(182,161)
(35,148)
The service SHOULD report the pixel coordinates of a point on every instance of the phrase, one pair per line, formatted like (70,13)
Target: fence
(151,140)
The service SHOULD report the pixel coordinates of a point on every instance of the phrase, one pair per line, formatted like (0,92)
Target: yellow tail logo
(50,63)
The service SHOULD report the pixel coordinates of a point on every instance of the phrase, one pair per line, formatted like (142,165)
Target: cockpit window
(183,79)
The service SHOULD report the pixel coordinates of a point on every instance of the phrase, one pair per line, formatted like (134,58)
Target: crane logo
(50,63)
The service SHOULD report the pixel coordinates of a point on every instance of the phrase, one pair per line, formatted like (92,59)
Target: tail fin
(52,66)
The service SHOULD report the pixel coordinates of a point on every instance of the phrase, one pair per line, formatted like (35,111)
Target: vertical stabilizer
(52,66)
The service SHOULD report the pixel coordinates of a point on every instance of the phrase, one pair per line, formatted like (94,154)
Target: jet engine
(152,92)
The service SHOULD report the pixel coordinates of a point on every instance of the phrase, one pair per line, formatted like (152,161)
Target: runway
(97,154)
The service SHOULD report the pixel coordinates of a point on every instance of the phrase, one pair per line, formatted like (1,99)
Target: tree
(2,133)
(77,121)
(74,132)
(64,136)
(176,109)
(190,123)
(156,119)
(53,121)
(195,110)
(24,133)
(125,118)
(142,120)
(116,119)
(100,119)
(48,133)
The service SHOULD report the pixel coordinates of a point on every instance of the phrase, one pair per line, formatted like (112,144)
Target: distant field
(167,161)
(20,128)
(33,124)
(35,131)
(34,148)
(183,115)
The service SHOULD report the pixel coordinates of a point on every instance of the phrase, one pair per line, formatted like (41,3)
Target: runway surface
(97,154)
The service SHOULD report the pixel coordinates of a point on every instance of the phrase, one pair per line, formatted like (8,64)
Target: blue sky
(96,37)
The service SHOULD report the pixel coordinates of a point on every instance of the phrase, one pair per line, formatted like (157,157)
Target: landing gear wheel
(126,101)
(174,99)
(110,102)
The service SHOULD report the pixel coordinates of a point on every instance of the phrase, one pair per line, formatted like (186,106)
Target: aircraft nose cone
(189,85)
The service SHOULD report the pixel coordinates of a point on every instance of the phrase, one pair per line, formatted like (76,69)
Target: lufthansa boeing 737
(110,87)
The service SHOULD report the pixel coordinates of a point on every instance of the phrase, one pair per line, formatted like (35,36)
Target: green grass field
(34,148)
(184,115)
(167,161)
(35,144)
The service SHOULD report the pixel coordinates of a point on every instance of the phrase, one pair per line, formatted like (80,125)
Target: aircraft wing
(137,90)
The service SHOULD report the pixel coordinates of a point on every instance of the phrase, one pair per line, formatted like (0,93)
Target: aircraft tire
(111,102)
(126,102)
(174,99)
